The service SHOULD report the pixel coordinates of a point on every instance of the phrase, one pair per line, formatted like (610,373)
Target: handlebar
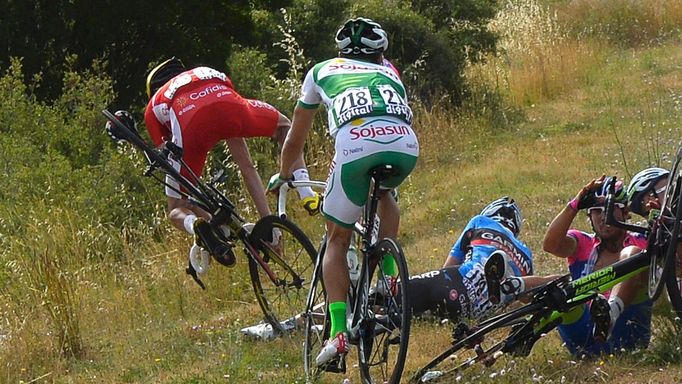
(282,197)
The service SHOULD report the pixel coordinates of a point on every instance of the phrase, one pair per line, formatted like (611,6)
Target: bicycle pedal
(336,365)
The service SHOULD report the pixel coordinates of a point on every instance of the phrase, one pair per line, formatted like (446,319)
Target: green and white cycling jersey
(351,89)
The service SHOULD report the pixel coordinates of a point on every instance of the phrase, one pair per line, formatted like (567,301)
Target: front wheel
(666,234)
(317,322)
(674,285)
(382,347)
(282,276)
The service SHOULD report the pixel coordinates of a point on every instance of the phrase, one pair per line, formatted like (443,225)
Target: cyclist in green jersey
(369,118)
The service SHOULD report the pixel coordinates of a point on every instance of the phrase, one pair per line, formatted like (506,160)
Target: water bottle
(353,264)
(375,229)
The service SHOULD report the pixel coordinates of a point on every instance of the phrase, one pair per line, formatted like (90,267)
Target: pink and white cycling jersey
(582,261)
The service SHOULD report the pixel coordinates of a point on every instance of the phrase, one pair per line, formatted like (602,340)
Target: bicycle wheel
(281,291)
(384,336)
(483,347)
(317,323)
(674,285)
(666,233)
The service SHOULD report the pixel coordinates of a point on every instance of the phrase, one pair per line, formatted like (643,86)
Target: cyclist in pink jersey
(197,108)
(621,318)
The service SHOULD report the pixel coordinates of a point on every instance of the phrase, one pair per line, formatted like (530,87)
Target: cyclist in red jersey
(197,108)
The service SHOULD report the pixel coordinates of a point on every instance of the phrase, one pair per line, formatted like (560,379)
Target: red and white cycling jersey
(198,108)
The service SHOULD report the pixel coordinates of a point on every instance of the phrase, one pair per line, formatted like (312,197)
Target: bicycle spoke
(290,262)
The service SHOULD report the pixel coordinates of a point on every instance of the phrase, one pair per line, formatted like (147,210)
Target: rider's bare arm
(240,154)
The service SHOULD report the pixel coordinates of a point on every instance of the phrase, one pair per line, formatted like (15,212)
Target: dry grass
(133,317)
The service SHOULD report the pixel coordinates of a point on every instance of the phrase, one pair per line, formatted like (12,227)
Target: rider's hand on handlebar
(312,204)
(275,182)
(114,131)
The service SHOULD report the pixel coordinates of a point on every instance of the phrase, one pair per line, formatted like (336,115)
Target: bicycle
(379,324)
(279,268)
(515,332)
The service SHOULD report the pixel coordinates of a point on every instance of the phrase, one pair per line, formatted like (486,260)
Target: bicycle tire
(666,234)
(383,341)
(317,321)
(292,262)
(674,287)
(462,353)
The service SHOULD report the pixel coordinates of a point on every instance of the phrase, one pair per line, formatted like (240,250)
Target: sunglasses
(655,192)
(601,209)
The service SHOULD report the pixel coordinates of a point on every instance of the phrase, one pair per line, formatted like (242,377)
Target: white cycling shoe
(338,346)
(264,331)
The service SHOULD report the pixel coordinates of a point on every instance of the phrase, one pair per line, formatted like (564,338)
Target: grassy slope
(162,329)
(146,322)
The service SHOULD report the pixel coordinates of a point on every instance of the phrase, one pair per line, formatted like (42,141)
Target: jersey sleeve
(310,97)
(461,247)
(583,245)
(156,130)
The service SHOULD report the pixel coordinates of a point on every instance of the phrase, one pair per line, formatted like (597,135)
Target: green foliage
(431,41)
(60,153)
(129,33)
(249,72)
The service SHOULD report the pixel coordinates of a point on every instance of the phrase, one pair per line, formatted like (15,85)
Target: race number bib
(395,104)
(201,73)
(205,73)
(352,103)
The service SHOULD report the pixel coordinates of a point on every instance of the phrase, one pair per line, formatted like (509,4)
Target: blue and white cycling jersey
(481,237)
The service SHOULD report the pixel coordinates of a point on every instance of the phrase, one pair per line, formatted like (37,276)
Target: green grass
(535,132)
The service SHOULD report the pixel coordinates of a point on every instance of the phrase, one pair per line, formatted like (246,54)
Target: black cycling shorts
(442,292)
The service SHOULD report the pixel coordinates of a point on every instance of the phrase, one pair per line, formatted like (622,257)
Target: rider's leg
(336,281)
(335,274)
(389,213)
(622,295)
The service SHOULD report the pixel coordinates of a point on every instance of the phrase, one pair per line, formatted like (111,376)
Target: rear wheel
(384,337)
(667,230)
(674,285)
(282,295)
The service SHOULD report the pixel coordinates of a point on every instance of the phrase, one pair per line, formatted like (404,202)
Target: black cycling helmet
(641,184)
(361,36)
(505,211)
(162,73)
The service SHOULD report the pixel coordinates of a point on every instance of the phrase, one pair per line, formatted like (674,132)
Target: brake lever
(172,150)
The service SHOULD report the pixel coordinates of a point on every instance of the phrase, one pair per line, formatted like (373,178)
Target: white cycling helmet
(361,36)
(505,211)
(642,184)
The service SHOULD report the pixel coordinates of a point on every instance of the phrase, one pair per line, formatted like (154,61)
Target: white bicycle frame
(282,200)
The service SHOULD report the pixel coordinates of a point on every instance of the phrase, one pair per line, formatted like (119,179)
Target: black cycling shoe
(600,313)
(494,274)
(219,249)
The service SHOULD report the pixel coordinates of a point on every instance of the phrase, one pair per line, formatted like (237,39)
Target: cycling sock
(337,312)
(388,266)
(188,223)
(616,307)
(301,174)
